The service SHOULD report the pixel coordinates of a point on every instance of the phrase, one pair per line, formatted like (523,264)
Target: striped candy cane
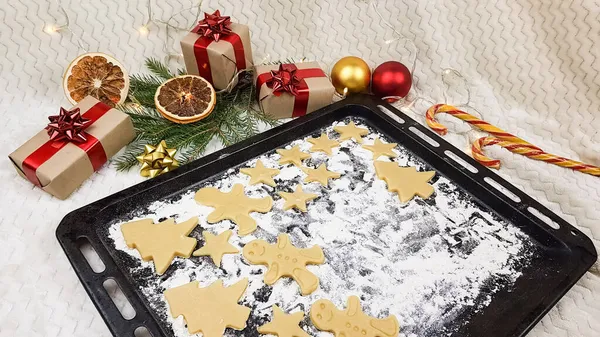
(529,151)
(483,125)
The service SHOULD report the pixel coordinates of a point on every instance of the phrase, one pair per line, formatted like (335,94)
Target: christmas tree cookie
(234,206)
(406,181)
(209,310)
(352,322)
(283,259)
(160,242)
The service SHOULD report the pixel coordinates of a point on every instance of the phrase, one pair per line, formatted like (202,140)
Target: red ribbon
(92,147)
(301,100)
(201,54)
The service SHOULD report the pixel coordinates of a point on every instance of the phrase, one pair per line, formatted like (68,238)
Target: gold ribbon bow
(157,160)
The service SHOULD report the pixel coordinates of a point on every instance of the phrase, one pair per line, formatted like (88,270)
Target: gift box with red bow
(75,143)
(217,49)
(292,90)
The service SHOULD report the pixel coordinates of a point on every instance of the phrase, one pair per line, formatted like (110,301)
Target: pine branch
(233,119)
(158,68)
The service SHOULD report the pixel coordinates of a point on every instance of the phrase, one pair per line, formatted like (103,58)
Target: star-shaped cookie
(323,143)
(321,175)
(297,199)
(216,246)
(406,181)
(284,325)
(351,131)
(380,148)
(260,174)
(292,156)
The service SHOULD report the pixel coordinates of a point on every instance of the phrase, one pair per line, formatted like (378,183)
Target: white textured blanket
(533,68)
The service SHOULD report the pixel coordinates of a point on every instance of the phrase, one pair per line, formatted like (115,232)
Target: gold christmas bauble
(351,74)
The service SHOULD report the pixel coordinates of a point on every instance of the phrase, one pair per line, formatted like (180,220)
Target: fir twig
(233,119)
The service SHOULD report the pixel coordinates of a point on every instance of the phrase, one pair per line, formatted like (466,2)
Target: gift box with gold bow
(75,143)
(292,90)
(217,49)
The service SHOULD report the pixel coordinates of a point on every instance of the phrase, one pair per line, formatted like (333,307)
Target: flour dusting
(428,262)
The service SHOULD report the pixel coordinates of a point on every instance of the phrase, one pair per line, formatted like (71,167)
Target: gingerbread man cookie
(352,322)
(283,259)
(234,206)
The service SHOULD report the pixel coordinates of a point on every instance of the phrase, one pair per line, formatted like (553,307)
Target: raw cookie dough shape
(283,259)
(320,175)
(260,174)
(352,322)
(209,310)
(406,181)
(216,246)
(234,206)
(292,156)
(284,325)
(160,242)
(351,131)
(323,143)
(380,148)
(297,199)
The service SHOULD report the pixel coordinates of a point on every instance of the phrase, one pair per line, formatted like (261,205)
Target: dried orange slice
(97,75)
(185,99)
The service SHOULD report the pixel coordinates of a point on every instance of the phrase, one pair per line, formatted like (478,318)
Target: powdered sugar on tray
(427,262)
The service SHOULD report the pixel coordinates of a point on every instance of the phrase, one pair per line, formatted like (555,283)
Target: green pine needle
(233,119)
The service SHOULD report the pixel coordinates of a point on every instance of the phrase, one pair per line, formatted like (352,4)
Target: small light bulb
(51,29)
(144,30)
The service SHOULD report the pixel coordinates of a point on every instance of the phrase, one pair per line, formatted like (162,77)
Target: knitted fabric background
(532,66)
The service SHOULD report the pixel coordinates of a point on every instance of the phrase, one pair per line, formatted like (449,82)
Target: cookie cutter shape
(283,259)
(160,242)
(234,206)
(211,309)
(406,181)
(284,325)
(352,322)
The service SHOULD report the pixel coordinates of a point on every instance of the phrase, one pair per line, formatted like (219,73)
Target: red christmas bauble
(391,79)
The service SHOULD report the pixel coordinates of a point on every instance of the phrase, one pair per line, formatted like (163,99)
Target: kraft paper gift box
(59,167)
(312,89)
(218,61)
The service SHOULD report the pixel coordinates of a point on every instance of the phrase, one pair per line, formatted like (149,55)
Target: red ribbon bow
(68,125)
(285,80)
(292,80)
(213,26)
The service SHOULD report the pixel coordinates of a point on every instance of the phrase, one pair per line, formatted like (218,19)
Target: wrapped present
(217,49)
(75,143)
(292,90)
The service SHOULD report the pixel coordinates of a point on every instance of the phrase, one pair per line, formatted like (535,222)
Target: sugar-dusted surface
(426,261)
